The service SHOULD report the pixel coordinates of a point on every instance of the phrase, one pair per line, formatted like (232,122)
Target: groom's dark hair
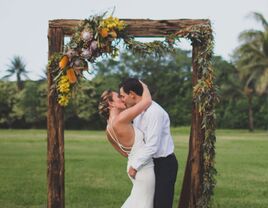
(131,84)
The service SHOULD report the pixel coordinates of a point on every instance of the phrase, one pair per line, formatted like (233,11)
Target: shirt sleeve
(152,138)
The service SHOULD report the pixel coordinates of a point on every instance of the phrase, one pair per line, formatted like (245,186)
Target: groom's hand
(132,172)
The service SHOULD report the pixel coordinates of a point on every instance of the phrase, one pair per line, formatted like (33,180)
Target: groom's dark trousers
(165,169)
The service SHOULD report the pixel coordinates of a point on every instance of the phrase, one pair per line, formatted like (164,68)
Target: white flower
(71,53)
(77,62)
(87,35)
(86,53)
(93,45)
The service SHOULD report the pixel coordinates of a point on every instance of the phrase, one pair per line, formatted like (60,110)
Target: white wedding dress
(142,193)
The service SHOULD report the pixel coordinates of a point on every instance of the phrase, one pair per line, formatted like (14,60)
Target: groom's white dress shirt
(155,124)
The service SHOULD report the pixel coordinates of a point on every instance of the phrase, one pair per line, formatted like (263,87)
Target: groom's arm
(154,123)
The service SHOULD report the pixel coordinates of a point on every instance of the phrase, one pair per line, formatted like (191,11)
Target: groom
(155,123)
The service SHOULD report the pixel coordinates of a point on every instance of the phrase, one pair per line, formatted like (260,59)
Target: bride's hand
(145,87)
(143,84)
(146,92)
(132,172)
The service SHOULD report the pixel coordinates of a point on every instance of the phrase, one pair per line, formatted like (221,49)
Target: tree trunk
(55,142)
(250,113)
(19,83)
(192,184)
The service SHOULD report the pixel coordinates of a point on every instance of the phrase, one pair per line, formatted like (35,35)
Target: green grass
(95,175)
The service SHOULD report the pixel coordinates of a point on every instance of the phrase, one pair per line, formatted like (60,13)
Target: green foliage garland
(206,96)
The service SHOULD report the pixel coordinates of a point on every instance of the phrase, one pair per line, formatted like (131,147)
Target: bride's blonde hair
(103,107)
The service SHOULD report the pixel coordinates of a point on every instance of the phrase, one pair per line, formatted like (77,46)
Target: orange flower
(63,62)
(71,75)
(113,34)
(104,32)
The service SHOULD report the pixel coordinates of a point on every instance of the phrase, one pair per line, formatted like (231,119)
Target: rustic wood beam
(137,27)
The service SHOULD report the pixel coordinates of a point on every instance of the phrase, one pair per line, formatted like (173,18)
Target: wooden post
(192,184)
(55,135)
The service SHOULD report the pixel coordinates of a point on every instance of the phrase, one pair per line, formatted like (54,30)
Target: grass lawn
(95,175)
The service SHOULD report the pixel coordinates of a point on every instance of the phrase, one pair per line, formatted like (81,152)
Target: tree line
(242,84)
(168,78)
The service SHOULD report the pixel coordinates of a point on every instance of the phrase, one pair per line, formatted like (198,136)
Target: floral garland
(93,38)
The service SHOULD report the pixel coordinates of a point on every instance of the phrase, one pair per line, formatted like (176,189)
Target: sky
(24,23)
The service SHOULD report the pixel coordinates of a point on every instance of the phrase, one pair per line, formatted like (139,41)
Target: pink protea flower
(87,35)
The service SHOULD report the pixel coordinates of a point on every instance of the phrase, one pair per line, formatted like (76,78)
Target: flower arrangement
(94,37)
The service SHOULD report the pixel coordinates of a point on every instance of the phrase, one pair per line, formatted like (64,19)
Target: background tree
(9,111)
(17,67)
(32,103)
(231,112)
(251,59)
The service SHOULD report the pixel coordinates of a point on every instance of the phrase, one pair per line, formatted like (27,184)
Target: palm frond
(265,43)
(262,82)
(260,18)
(249,35)
(6,76)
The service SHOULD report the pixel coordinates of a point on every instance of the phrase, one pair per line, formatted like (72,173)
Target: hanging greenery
(205,95)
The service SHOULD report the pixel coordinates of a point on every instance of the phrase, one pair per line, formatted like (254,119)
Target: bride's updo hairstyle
(104,110)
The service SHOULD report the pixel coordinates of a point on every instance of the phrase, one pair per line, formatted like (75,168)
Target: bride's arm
(146,100)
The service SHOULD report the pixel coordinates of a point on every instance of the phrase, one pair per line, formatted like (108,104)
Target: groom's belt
(162,158)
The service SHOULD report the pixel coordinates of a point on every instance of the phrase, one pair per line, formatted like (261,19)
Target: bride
(128,141)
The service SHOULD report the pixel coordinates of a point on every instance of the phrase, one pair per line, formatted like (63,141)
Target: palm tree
(253,56)
(251,59)
(18,68)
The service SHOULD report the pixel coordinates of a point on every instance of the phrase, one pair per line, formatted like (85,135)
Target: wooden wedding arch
(198,180)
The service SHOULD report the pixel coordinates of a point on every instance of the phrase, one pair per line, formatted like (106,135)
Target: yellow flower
(63,85)
(112,23)
(121,25)
(63,100)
